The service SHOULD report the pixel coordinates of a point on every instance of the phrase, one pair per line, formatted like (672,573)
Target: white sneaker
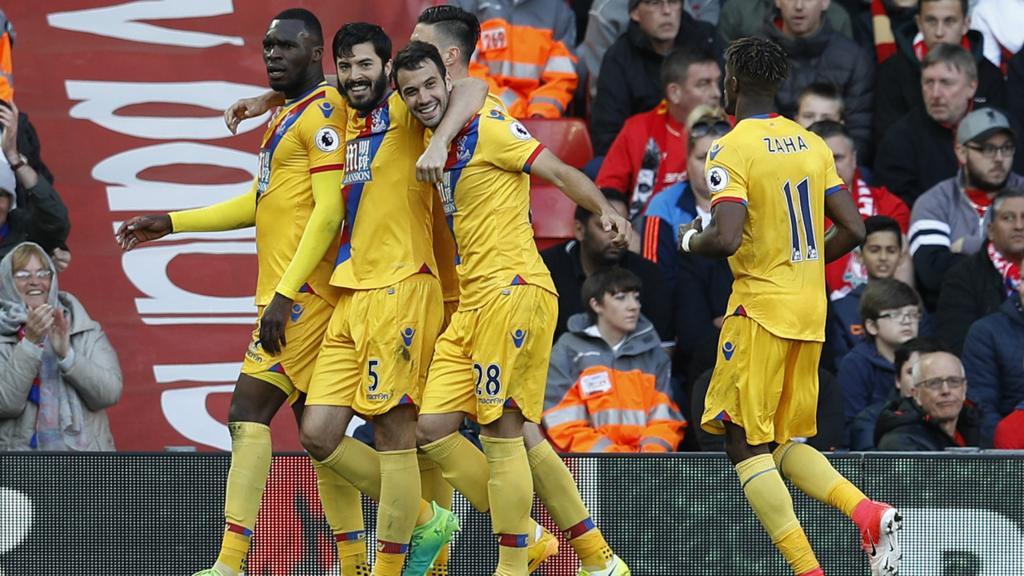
(615,567)
(885,555)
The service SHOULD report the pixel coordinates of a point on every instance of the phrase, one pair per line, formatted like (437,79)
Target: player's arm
(468,96)
(847,231)
(723,235)
(232,214)
(583,192)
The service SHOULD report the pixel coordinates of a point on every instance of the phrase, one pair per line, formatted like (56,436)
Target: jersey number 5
(801,203)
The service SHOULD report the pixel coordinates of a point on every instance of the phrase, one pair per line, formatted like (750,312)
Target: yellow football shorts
(378,347)
(291,369)
(494,357)
(763,383)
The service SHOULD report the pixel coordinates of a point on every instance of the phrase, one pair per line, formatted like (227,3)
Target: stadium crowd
(920,102)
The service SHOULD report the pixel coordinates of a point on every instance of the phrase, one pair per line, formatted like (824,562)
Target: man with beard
(299,175)
(947,222)
(491,362)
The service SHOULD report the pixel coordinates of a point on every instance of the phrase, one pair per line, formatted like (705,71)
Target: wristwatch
(22,160)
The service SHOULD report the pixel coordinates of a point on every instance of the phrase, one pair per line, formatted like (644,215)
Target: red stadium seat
(567,138)
(552,214)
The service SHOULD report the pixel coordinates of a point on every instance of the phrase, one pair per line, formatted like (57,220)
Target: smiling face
(362,77)
(425,91)
(32,280)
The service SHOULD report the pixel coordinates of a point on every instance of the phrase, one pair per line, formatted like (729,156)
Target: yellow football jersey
(782,174)
(303,138)
(486,197)
(387,235)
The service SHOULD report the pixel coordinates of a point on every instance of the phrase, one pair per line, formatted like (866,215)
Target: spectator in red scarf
(898,88)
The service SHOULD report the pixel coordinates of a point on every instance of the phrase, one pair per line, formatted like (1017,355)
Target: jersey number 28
(800,203)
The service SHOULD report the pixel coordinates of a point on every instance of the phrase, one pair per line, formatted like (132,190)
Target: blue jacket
(994,362)
(847,311)
(865,378)
(668,209)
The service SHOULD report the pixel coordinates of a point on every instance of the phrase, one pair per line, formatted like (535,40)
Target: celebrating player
(299,175)
(773,183)
(491,362)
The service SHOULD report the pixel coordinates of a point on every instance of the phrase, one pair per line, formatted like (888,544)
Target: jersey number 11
(801,203)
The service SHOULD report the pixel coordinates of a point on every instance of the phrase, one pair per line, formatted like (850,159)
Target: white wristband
(685,242)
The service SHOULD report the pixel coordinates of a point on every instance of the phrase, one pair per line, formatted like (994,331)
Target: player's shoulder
(325,106)
(498,124)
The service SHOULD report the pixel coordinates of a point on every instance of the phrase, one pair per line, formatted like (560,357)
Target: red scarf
(1010,271)
(979,200)
(921,50)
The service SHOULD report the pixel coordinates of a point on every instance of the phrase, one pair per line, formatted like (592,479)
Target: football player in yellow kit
(773,183)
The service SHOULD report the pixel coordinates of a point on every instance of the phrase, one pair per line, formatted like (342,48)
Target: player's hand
(273,322)
(142,229)
(620,227)
(430,166)
(696,224)
(38,323)
(244,109)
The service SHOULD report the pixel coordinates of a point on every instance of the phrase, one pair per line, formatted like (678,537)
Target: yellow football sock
(510,489)
(357,463)
(343,507)
(814,475)
(435,489)
(396,515)
(556,488)
(463,466)
(247,477)
(773,505)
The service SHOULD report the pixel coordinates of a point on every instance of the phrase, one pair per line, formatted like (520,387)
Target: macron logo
(727,350)
(518,337)
(714,151)
(407,335)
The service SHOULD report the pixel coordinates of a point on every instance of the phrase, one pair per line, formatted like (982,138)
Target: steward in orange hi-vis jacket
(524,54)
(601,399)
(6,65)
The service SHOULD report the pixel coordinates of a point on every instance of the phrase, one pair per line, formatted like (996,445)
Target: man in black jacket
(898,86)
(917,151)
(936,416)
(818,53)
(30,209)
(979,285)
(629,81)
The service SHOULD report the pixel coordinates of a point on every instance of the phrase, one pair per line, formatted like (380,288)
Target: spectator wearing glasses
(980,284)
(649,154)
(937,415)
(682,202)
(58,371)
(994,362)
(947,223)
(630,80)
(890,311)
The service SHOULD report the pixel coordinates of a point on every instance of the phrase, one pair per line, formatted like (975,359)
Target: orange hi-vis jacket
(524,54)
(600,399)
(6,64)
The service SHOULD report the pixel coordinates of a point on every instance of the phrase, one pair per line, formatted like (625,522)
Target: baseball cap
(981,124)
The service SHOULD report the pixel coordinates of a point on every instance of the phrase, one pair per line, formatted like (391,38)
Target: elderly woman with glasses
(58,371)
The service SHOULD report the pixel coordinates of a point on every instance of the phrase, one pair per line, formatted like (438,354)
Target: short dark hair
(582,215)
(886,294)
(878,223)
(829,128)
(965,5)
(757,63)
(953,55)
(309,21)
(919,345)
(997,202)
(356,33)
(460,27)
(678,62)
(607,281)
(826,90)
(414,56)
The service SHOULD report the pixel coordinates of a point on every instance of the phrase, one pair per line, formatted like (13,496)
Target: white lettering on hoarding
(125,22)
